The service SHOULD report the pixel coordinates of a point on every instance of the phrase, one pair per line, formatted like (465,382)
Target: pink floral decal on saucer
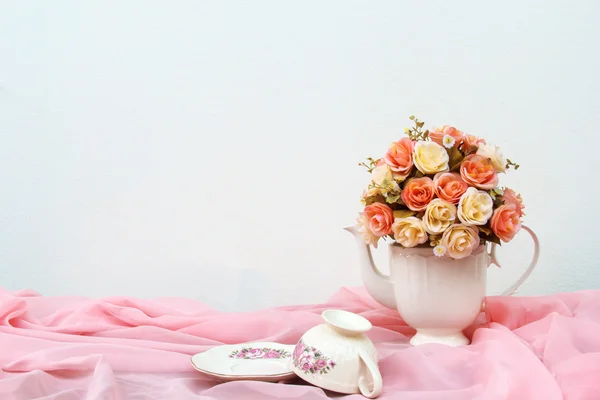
(255,353)
(311,360)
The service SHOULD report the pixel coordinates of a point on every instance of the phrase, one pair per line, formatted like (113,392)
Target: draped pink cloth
(125,348)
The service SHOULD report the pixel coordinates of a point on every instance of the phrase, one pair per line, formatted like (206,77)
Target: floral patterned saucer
(264,361)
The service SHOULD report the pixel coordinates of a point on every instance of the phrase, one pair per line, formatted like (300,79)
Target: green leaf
(419,174)
(403,213)
(374,199)
(498,202)
(392,198)
(494,239)
(456,168)
(485,230)
(455,157)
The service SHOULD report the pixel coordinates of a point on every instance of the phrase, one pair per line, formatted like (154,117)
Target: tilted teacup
(338,355)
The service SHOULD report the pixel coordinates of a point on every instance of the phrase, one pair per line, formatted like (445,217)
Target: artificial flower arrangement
(439,188)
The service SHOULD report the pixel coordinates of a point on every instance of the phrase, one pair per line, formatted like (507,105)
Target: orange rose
(379,217)
(449,186)
(471,143)
(437,135)
(510,197)
(478,171)
(505,222)
(399,157)
(417,193)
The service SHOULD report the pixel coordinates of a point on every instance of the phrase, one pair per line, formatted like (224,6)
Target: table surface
(111,348)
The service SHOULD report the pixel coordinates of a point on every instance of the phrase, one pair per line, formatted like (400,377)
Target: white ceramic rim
(362,324)
(243,376)
(283,375)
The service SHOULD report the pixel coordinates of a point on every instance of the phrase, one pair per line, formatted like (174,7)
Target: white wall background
(210,149)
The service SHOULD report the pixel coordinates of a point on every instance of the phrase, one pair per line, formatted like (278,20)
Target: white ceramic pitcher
(437,296)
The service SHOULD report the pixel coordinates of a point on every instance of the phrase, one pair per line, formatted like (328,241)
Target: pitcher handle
(375,374)
(536,255)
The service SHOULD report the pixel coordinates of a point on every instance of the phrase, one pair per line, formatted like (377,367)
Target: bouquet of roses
(439,188)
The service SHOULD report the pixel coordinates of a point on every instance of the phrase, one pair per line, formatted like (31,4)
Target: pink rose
(240,355)
(255,353)
(505,222)
(272,354)
(364,230)
(399,157)
(471,143)
(306,366)
(379,218)
(478,171)
(449,186)
(298,350)
(437,135)
(321,363)
(417,193)
(510,197)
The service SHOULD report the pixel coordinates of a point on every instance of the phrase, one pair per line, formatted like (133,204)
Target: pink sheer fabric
(126,348)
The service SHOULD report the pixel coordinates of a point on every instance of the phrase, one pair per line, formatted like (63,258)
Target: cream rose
(460,240)
(439,215)
(409,231)
(430,157)
(494,154)
(383,178)
(381,174)
(475,207)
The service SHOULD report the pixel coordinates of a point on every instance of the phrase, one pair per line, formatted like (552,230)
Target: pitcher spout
(377,284)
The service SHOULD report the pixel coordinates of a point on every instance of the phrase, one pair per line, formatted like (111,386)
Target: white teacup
(338,355)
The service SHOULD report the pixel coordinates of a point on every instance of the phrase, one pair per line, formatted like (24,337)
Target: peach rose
(460,240)
(439,215)
(437,135)
(364,230)
(399,158)
(430,157)
(511,197)
(475,207)
(478,171)
(379,218)
(417,193)
(449,186)
(471,143)
(505,222)
(409,231)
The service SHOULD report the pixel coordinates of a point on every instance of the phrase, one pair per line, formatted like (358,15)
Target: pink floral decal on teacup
(311,360)
(255,353)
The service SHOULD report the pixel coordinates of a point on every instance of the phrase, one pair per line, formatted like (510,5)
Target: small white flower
(448,141)
(439,250)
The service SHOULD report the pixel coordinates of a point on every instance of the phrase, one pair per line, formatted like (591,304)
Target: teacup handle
(374,371)
(536,255)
